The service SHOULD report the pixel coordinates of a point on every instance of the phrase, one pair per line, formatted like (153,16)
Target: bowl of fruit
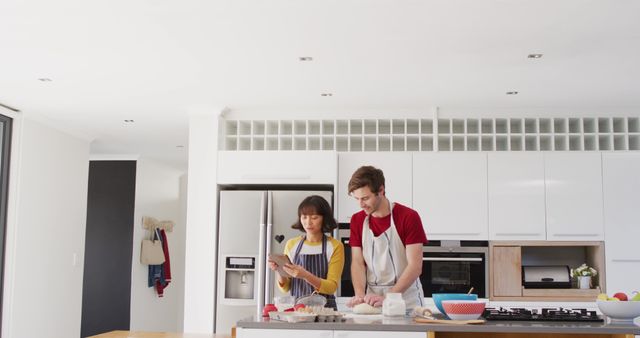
(620,307)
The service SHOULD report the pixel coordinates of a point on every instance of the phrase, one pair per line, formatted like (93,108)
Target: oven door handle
(452,259)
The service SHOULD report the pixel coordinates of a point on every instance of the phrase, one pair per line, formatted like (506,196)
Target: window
(5,149)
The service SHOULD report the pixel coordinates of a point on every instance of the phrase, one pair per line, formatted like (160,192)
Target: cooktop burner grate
(545,314)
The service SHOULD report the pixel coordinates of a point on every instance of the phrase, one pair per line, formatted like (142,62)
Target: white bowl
(619,310)
(463,309)
(464,317)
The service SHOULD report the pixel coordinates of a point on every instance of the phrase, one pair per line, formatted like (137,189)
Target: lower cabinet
(268,333)
(377,334)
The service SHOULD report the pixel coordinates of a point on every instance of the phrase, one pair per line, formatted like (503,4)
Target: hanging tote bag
(151,252)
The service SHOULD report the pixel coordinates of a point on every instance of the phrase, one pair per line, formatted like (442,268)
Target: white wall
(158,194)
(183,220)
(45,233)
(201,224)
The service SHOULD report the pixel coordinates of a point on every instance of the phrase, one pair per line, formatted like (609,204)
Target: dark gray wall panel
(106,292)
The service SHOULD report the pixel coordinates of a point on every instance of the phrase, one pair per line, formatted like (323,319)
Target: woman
(317,258)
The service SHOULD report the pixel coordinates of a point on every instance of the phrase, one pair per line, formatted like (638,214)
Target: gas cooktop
(544,314)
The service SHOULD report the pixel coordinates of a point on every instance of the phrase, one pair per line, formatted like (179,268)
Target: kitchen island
(405,327)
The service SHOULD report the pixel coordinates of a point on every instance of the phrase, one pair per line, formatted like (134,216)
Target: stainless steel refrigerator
(252,224)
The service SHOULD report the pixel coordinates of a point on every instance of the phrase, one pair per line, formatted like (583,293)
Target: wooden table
(141,334)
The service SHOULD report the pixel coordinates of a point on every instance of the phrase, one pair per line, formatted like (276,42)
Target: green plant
(583,270)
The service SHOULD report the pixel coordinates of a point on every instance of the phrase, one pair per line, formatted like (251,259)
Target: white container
(284,302)
(584,282)
(393,305)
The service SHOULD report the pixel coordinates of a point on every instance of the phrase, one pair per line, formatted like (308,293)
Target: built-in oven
(455,267)
(447,266)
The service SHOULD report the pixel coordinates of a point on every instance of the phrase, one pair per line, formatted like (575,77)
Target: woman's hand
(296,271)
(272,265)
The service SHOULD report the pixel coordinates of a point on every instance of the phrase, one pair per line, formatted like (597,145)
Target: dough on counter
(366,309)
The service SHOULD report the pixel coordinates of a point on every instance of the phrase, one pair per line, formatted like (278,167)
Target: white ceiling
(151,60)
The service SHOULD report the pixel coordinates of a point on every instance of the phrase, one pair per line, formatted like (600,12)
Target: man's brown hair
(367,176)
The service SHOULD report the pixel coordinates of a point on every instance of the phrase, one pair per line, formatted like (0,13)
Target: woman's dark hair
(316,205)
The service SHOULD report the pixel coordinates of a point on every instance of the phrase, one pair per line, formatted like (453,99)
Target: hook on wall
(151,223)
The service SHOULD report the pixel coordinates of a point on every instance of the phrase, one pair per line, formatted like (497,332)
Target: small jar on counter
(393,305)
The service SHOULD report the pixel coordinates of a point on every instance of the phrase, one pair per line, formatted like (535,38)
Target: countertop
(379,323)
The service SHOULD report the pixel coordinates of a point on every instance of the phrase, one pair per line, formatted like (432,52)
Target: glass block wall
(457,134)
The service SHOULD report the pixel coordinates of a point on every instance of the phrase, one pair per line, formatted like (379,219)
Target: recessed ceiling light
(512,93)
(305,58)
(129,121)
(534,56)
(44,79)
(326,94)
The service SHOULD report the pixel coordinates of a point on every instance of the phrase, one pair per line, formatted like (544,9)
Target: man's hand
(374,300)
(355,300)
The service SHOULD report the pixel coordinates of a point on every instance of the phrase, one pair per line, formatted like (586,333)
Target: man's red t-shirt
(407,221)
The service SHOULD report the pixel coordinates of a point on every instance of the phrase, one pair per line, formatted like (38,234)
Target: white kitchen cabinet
(623,276)
(397,174)
(376,334)
(516,196)
(573,184)
(285,167)
(621,187)
(274,333)
(270,333)
(450,194)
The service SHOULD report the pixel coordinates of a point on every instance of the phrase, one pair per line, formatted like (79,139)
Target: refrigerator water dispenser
(240,272)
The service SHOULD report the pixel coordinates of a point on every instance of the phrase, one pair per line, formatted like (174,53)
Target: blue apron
(316,264)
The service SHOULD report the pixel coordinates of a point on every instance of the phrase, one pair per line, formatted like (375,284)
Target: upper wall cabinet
(621,186)
(450,194)
(516,196)
(308,167)
(397,173)
(573,184)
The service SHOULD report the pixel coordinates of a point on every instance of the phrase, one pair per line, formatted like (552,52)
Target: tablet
(281,260)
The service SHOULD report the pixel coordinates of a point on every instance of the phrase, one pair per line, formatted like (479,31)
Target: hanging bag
(151,252)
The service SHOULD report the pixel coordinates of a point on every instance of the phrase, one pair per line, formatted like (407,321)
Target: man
(386,244)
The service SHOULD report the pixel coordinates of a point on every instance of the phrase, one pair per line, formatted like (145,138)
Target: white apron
(386,259)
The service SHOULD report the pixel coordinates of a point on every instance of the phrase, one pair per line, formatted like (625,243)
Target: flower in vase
(583,270)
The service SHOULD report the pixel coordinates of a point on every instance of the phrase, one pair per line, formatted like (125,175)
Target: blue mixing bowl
(439,297)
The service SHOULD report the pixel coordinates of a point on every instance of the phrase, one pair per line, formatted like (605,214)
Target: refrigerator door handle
(267,285)
(262,261)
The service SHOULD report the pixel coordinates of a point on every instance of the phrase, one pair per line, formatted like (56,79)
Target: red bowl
(463,309)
